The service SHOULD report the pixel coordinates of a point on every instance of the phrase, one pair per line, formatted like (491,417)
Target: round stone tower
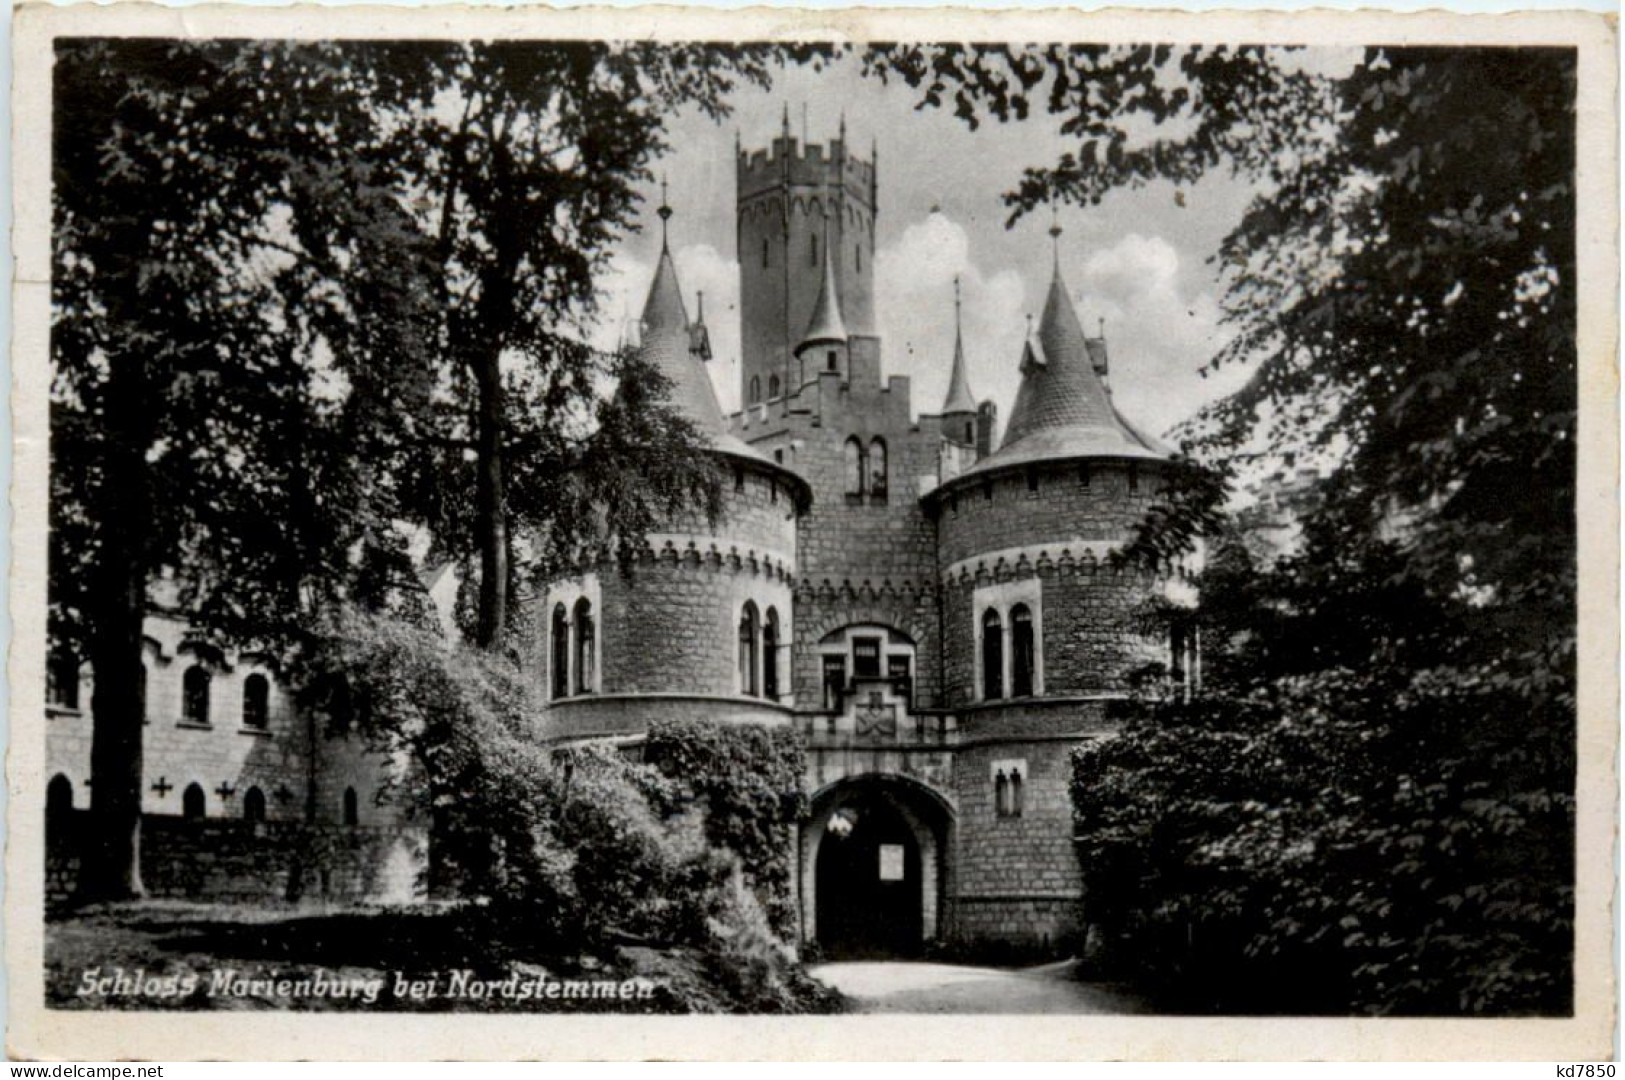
(1037,625)
(701,627)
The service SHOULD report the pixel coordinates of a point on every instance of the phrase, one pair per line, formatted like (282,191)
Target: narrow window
(1133,477)
(953,503)
(1084,475)
(561,651)
(832,361)
(1032,480)
(1015,793)
(254,805)
(764,252)
(747,649)
(770,656)
(352,809)
(812,250)
(739,480)
(778,459)
(834,681)
(857,256)
(193,806)
(970,431)
(585,647)
(897,670)
(1021,651)
(1001,794)
(992,656)
(58,803)
(987,491)
(62,680)
(256,702)
(141,689)
(755,389)
(195,695)
(773,388)
(866,657)
(854,466)
(877,467)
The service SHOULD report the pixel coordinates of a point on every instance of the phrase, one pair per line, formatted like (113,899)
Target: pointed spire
(826,326)
(785,123)
(841,135)
(960,399)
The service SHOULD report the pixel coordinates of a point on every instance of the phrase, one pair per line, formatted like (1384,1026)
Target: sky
(1139,260)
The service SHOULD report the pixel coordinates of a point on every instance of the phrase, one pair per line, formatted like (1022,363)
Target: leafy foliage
(1371,805)
(749,781)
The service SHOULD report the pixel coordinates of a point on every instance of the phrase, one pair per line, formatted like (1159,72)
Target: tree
(525,158)
(197,331)
(1376,789)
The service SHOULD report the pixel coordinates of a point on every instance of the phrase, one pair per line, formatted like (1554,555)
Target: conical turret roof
(669,344)
(1062,408)
(960,399)
(826,327)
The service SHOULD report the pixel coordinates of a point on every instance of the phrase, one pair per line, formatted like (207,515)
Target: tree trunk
(110,854)
(491,521)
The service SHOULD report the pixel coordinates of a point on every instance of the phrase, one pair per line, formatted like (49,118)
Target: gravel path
(897,987)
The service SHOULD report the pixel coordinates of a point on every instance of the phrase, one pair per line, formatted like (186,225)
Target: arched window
(256,701)
(352,809)
(1015,794)
(992,655)
(1021,651)
(747,649)
(585,647)
(560,631)
(62,680)
(770,655)
(854,466)
(764,252)
(755,389)
(58,802)
(877,467)
(193,805)
(1001,794)
(772,387)
(195,695)
(254,805)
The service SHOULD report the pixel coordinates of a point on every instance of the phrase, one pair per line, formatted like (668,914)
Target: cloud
(914,299)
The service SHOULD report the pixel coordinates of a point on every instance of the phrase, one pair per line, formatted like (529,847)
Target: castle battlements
(808,164)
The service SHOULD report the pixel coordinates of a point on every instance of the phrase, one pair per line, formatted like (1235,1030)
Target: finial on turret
(664,212)
(785,122)
(1055,231)
(1029,324)
(1102,323)
(956,301)
(842,133)
(699,306)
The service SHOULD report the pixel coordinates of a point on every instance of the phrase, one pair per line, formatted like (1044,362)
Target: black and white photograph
(719,521)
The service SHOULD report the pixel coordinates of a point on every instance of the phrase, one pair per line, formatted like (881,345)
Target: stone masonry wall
(977,517)
(1016,879)
(240,861)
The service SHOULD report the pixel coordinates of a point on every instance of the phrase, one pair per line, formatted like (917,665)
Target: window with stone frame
(755,389)
(62,679)
(773,388)
(352,807)
(770,655)
(1008,783)
(559,632)
(256,702)
(586,647)
(834,680)
(992,655)
(748,644)
(877,467)
(866,657)
(254,805)
(195,695)
(855,466)
(1022,658)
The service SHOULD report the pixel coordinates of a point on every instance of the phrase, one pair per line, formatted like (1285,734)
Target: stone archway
(874,867)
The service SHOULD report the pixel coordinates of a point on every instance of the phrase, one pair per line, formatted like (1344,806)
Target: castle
(935,614)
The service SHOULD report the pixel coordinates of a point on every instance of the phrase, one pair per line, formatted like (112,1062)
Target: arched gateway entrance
(872,867)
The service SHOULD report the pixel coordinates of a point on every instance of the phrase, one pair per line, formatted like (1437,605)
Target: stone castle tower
(931,609)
